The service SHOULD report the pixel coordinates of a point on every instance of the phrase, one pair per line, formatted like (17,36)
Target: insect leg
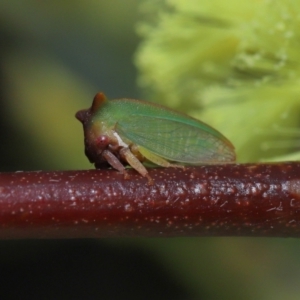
(157,159)
(136,152)
(114,162)
(135,163)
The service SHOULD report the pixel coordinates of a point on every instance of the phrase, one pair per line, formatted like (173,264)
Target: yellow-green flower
(233,64)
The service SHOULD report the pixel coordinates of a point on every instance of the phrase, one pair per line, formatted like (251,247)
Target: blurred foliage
(233,64)
(55,56)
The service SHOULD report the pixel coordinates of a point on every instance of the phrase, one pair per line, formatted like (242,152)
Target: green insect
(127,131)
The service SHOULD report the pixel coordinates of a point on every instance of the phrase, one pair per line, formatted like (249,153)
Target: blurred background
(54,57)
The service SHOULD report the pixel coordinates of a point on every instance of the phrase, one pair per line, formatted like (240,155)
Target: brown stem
(215,200)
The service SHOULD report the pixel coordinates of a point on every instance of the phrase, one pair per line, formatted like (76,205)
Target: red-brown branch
(221,200)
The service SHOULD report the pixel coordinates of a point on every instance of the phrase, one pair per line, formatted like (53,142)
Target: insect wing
(174,140)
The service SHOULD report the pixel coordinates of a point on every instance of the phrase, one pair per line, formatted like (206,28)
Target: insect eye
(102,141)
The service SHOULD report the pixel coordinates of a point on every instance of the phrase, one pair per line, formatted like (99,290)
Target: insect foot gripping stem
(135,163)
(114,162)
